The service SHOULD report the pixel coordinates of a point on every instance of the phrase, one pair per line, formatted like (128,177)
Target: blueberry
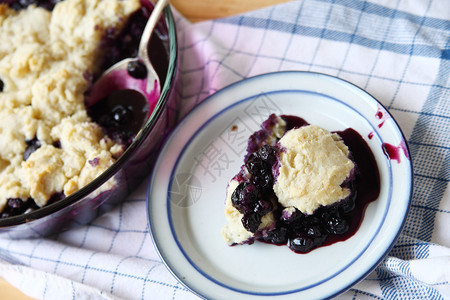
(254,164)
(32,145)
(17,206)
(57,144)
(261,172)
(31,204)
(94,162)
(15,203)
(263,207)
(256,140)
(265,157)
(278,236)
(2,85)
(311,220)
(335,225)
(264,180)
(121,114)
(290,215)
(251,221)
(324,213)
(316,234)
(137,69)
(245,197)
(268,154)
(300,243)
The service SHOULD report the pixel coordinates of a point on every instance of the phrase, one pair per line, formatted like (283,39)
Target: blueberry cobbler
(51,52)
(300,186)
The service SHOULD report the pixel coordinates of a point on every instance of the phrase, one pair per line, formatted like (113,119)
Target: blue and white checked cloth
(397,50)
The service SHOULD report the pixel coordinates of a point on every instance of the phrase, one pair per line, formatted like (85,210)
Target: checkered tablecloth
(397,50)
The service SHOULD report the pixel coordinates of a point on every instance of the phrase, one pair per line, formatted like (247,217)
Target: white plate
(186,192)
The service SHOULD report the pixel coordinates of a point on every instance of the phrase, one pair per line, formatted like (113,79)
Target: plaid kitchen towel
(397,50)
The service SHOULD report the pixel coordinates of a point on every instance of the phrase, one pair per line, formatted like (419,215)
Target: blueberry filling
(124,122)
(21,4)
(120,119)
(259,165)
(17,206)
(252,204)
(259,138)
(254,197)
(303,233)
(121,115)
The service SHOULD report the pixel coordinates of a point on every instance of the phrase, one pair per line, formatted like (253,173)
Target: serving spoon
(134,73)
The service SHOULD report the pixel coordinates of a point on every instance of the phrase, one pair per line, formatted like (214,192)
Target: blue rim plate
(186,192)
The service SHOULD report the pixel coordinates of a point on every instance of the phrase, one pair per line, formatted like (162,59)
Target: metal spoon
(135,73)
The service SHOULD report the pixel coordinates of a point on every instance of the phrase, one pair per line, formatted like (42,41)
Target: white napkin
(398,51)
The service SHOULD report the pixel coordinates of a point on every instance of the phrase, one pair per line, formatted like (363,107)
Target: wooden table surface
(195,11)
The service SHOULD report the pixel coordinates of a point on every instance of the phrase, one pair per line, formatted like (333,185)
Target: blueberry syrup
(254,196)
(394,152)
(366,188)
(380,115)
(294,122)
(367,181)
